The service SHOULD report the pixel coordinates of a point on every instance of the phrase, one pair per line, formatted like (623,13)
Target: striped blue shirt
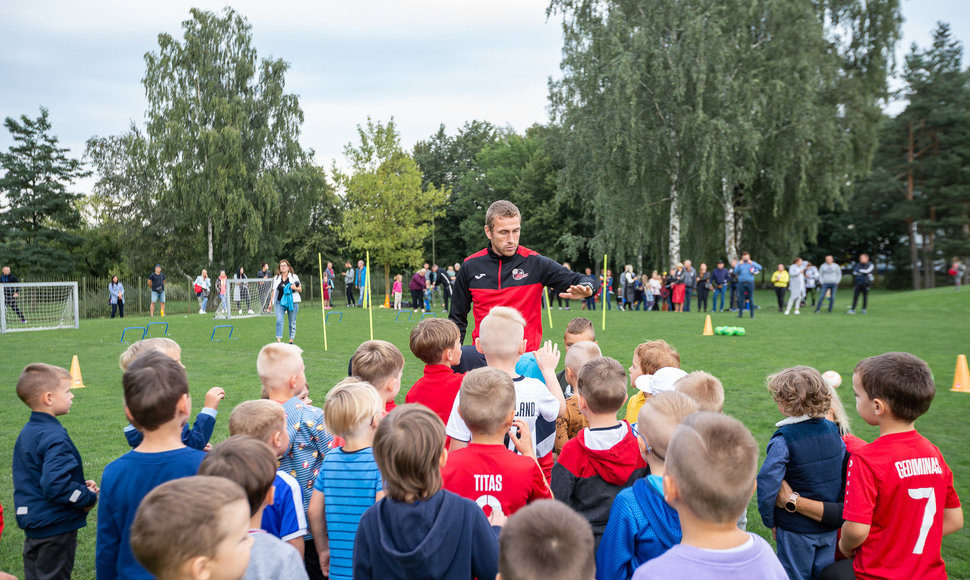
(349,483)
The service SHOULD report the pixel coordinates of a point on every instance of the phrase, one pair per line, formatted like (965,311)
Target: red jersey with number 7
(899,485)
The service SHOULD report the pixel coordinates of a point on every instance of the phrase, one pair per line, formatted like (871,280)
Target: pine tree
(40,215)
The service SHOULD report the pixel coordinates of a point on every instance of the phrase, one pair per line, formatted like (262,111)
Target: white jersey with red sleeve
(899,485)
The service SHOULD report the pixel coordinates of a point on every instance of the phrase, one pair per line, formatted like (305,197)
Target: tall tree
(39,215)
(224,133)
(450,162)
(387,211)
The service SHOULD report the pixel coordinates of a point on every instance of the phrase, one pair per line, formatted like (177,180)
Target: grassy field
(933,324)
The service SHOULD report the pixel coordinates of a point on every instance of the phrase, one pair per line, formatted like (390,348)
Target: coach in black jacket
(507,274)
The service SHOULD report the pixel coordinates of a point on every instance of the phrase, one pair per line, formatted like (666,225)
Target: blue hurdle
(144,331)
(217,327)
(427,314)
(400,312)
(340,316)
(148,328)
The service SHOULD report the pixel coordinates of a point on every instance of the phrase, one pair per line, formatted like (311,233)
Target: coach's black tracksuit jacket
(488,279)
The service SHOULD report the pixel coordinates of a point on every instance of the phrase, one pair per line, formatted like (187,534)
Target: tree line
(695,129)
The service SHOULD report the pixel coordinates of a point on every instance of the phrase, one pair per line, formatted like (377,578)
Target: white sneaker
(201,311)
(240,311)
(251,311)
(786,313)
(797,312)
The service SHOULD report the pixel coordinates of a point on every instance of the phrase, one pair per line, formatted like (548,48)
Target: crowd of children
(489,474)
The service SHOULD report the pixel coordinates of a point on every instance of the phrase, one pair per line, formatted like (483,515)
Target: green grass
(931,324)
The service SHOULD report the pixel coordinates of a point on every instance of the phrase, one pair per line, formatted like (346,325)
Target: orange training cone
(961,377)
(708,330)
(387,300)
(77,383)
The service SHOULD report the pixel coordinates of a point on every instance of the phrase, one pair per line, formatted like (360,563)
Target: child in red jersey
(605,457)
(437,343)
(899,496)
(486,471)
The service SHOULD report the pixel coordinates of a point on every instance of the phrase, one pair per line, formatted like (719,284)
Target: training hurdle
(143,329)
(427,314)
(217,327)
(340,316)
(148,328)
(400,312)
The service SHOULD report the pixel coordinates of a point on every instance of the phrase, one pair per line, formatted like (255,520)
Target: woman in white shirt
(286,298)
(202,286)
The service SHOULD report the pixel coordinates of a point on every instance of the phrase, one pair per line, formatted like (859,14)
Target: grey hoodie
(829,273)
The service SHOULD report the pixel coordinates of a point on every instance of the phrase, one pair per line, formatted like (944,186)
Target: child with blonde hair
(197,436)
(807,452)
(648,358)
(398,291)
(349,480)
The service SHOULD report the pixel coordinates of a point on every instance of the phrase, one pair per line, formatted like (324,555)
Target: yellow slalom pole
(548,305)
(323,311)
(370,305)
(604,291)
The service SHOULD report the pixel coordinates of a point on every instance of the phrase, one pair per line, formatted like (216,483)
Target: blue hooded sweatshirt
(441,537)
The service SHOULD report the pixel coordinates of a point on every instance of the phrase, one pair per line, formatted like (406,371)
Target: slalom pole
(370,305)
(323,311)
(548,305)
(604,291)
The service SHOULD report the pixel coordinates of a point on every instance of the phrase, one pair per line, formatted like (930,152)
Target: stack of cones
(961,378)
(77,383)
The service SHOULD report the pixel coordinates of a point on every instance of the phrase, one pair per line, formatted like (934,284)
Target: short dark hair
(153,385)
(902,380)
(580,325)
(179,520)
(37,379)
(546,539)
(430,337)
(407,447)
(247,461)
(602,383)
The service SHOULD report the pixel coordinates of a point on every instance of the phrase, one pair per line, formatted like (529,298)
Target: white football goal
(244,298)
(38,306)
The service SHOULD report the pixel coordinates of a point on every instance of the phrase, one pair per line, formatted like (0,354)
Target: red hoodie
(588,479)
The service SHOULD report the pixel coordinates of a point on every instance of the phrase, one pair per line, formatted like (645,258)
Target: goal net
(38,306)
(245,298)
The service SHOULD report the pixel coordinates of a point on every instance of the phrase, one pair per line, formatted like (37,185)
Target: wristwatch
(790,504)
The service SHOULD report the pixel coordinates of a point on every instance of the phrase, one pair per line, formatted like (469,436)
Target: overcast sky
(425,62)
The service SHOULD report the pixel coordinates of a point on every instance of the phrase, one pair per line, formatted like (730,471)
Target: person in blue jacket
(51,497)
(746,270)
(419,530)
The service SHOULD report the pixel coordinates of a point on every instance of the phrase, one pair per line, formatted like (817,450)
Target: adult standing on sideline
(796,284)
(703,287)
(417,285)
(446,282)
(349,278)
(678,289)
(202,286)
(627,280)
(829,274)
(264,289)
(328,302)
(156,282)
(507,274)
(11,293)
(719,279)
(956,271)
(746,270)
(779,279)
(361,284)
(733,305)
(240,291)
(286,298)
(431,277)
(690,282)
(116,297)
(811,282)
(590,301)
(862,274)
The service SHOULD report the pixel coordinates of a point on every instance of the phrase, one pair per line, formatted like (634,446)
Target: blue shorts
(158,297)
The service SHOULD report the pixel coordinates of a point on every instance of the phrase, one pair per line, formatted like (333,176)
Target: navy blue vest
(815,453)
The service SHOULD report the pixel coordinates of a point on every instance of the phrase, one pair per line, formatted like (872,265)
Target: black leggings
(702,298)
(119,307)
(780,293)
(417,299)
(864,290)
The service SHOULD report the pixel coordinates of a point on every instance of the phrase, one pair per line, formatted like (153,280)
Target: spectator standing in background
(829,275)
(862,276)
(349,278)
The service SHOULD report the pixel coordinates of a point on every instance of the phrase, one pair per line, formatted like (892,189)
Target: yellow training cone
(961,378)
(77,383)
(708,329)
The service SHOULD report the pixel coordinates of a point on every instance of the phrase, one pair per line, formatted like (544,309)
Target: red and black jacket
(487,280)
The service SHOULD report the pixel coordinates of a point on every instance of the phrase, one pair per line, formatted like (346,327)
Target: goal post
(38,306)
(244,298)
